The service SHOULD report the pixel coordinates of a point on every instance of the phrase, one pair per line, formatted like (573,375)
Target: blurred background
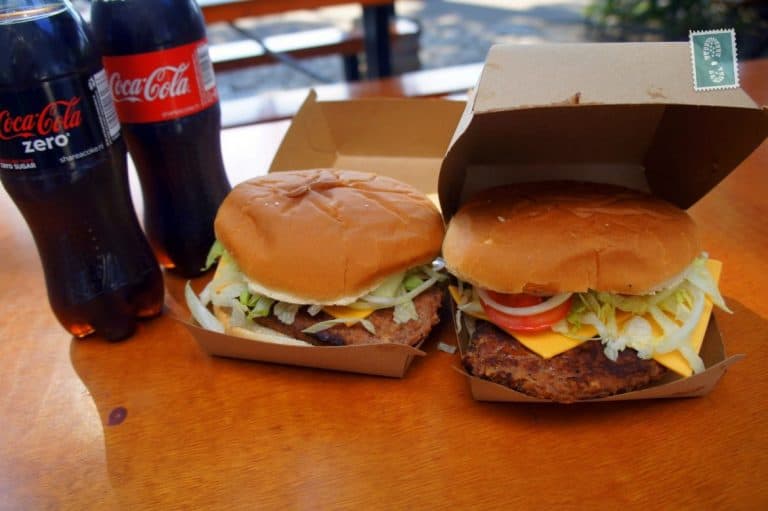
(440,33)
(453,32)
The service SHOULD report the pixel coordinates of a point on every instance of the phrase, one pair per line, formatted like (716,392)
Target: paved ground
(453,32)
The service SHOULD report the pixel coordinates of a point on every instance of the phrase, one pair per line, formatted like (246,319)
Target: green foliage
(670,20)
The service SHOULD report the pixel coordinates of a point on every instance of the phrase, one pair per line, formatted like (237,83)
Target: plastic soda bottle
(161,77)
(63,162)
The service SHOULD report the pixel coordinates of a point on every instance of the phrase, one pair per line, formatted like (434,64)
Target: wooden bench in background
(452,82)
(375,23)
(403,33)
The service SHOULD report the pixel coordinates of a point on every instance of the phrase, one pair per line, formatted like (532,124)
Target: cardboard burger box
(401,138)
(618,113)
(624,114)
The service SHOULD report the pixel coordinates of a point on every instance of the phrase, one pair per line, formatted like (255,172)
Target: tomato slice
(515,299)
(534,322)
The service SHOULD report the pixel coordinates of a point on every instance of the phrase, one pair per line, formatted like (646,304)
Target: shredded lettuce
(325,325)
(237,318)
(468,308)
(637,332)
(471,324)
(405,312)
(399,291)
(286,312)
(578,307)
(261,308)
(698,275)
(216,251)
(412,282)
(230,288)
(374,300)
(253,305)
(564,328)
(390,286)
(469,301)
(223,296)
(634,304)
(227,273)
(675,311)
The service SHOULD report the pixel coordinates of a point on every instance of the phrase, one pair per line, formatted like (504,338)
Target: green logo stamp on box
(713,55)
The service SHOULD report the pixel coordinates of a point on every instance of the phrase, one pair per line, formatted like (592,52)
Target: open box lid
(623,113)
(402,138)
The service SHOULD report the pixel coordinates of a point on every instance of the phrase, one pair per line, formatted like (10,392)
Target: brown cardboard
(376,359)
(625,114)
(402,138)
(712,352)
(619,113)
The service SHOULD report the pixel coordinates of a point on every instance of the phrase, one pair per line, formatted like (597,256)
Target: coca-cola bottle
(63,162)
(156,55)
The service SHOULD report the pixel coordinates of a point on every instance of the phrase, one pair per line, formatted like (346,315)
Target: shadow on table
(183,427)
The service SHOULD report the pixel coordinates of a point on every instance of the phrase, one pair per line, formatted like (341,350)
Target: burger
(324,257)
(573,291)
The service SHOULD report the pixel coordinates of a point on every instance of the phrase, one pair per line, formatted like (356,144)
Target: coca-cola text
(55,118)
(162,83)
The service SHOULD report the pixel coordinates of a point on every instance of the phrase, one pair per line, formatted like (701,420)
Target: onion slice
(201,314)
(548,304)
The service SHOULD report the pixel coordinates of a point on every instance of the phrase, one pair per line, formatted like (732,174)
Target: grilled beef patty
(583,372)
(411,333)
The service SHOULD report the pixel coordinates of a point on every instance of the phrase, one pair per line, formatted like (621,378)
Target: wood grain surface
(155,423)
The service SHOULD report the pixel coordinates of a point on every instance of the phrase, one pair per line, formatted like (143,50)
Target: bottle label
(56,123)
(162,85)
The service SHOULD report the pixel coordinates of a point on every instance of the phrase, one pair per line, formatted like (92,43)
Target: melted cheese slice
(341,312)
(674,360)
(548,344)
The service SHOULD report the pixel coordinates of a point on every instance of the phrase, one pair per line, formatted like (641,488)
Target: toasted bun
(326,236)
(552,237)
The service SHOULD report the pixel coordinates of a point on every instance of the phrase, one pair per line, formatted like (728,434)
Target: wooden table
(375,22)
(453,81)
(209,433)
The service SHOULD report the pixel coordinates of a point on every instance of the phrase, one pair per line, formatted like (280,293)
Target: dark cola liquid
(178,160)
(99,271)
(64,165)
(179,202)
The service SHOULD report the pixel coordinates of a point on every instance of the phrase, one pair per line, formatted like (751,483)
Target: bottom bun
(260,333)
(583,372)
(255,331)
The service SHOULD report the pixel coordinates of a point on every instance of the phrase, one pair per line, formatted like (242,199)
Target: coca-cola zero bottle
(63,162)
(161,77)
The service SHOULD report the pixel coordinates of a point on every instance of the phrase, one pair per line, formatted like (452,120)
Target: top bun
(554,237)
(326,236)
